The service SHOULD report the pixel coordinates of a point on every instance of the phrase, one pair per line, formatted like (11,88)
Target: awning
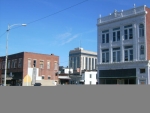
(82,80)
(64,77)
(8,78)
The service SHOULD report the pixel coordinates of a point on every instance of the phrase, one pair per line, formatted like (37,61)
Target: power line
(2,34)
(51,14)
(58,12)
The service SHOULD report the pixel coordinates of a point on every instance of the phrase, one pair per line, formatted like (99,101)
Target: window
(8,64)
(70,62)
(49,77)
(142,50)
(41,64)
(89,63)
(116,34)
(142,81)
(56,66)
(105,36)
(128,53)
(78,62)
(43,77)
(92,63)
(116,54)
(29,63)
(142,70)
(34,63)
(20,63)
(141,30)
(48,64)
(86,63)
(90,75)
(95,63)
(15,63)
(105,55)
(3,65)
(74,64)
(128,32)
(142,57)
(12,64)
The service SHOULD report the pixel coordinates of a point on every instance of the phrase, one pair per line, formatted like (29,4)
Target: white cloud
(64,38)
(69,39)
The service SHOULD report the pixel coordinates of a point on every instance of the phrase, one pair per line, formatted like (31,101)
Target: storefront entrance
(119,76)
(118,81)
(63,81)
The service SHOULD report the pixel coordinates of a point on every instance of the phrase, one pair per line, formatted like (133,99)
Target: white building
(82,59)
(86,78)
(65,70)
(123,46)
(89,78)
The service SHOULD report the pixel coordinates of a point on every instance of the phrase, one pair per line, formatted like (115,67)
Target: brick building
(25,67)
(123,40)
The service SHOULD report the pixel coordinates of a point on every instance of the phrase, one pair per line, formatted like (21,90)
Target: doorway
(120,81)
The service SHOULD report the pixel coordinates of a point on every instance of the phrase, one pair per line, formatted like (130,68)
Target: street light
(9,27)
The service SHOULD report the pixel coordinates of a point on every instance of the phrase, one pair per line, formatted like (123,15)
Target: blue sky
(59,33)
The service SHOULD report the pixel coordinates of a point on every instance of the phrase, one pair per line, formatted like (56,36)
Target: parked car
(37,84)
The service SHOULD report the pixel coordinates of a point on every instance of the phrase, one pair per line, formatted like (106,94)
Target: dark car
(37,84)
(1,84)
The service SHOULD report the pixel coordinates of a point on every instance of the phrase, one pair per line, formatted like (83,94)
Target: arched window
(142,50)
(141,30)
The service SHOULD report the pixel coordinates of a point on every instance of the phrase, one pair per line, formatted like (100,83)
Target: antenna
(80,43)
(134,5)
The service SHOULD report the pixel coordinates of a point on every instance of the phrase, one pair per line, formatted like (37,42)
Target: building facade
(27,68)
(80,59)
(123,46)
(89,78)
(63,75)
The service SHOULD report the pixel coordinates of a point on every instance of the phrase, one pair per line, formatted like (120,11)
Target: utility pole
(6,58)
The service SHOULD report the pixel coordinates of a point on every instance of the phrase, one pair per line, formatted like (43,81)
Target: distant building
(124,47)
(65,70)
(63,75)
(28,68)
(87,78)
(81,60)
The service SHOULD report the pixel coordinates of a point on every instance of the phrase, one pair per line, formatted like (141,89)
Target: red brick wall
(38,58)
(148,32)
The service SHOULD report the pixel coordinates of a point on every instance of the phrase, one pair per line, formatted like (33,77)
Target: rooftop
(29,53)
(81,50)
(122,14)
